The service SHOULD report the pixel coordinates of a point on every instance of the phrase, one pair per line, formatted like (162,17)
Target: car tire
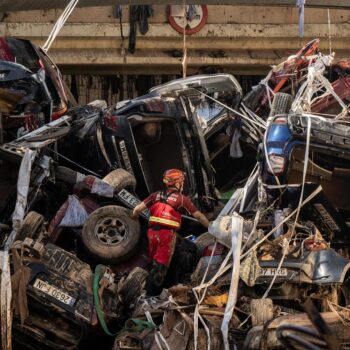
(110,235)
(120,179)
(31,225)
(281,104)
(65,174)
(130,287)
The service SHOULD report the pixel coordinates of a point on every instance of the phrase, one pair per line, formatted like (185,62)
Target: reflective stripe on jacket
(162,213)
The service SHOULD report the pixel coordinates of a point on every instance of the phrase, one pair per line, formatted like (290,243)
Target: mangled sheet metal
(274,244)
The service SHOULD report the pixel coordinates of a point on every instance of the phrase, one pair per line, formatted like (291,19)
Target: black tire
(110,235)
(65,174)
(31,225)
(130,288)
(120,179)
(281,104)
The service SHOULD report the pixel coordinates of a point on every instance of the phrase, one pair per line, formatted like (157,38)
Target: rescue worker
(165,209)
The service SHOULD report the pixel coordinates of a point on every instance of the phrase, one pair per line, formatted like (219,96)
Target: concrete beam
(242,47)
(105,57)
(171,44)
(209,31)
(20,5)
(216,15)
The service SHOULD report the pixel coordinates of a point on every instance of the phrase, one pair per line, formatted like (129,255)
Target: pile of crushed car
(272,272)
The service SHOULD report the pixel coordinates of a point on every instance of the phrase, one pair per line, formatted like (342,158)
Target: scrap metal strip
(18,215)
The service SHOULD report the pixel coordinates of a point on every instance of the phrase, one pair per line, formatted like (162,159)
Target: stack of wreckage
(272,272)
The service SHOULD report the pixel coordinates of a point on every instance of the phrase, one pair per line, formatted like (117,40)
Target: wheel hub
(111,231)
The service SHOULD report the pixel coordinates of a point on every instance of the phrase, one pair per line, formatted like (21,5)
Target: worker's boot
(156,278)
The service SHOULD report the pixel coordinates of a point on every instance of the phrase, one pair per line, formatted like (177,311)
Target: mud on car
(316,263)
(131,144)
(111,158)
(59,301)
(174,126)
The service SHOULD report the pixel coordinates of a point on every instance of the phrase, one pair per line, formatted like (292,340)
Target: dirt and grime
(273,270)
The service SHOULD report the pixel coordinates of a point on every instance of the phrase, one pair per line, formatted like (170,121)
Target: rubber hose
(100,313)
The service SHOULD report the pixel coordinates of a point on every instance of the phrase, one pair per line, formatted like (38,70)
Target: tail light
(59,113)
(280,120)
(41,64)
(110,121)
(208,250)
(315,245)
(277,164)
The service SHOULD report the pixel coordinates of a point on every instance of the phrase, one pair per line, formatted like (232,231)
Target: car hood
(208,84)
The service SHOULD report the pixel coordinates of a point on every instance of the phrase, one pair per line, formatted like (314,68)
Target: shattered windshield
(208,111)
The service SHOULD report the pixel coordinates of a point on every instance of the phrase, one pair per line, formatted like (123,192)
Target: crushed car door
(191,91)
(197,87)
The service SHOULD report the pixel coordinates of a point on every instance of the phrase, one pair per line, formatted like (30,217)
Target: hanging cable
(301,7)
(329,32)
(59,24)
(184,57)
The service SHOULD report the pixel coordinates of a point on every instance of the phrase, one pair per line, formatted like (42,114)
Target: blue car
(329,157)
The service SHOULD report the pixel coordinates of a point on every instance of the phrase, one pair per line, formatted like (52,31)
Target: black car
(175,126)
(66,301)
(129,146)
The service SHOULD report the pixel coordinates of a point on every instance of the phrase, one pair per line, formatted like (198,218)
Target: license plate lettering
(53,292)
(130,200)
(273,271)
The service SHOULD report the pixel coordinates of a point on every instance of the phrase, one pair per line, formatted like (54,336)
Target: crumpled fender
(328,266)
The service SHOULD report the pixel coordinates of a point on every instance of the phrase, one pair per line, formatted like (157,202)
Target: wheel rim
(111,231)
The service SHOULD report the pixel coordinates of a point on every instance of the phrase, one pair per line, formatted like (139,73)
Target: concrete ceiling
(21,5)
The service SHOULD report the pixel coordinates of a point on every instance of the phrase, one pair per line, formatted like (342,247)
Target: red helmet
(172,176)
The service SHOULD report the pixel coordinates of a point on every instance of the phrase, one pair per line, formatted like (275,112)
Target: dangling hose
(100,313)
(132,325)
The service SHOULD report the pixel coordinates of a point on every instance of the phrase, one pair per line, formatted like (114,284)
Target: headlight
(277,164)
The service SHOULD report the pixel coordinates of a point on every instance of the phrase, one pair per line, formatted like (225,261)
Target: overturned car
(32,89)
(174,126)
(59,302)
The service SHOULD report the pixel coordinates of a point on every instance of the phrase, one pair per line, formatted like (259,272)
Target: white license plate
(272,272)
(53,292)
(128,198)
(131,201)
